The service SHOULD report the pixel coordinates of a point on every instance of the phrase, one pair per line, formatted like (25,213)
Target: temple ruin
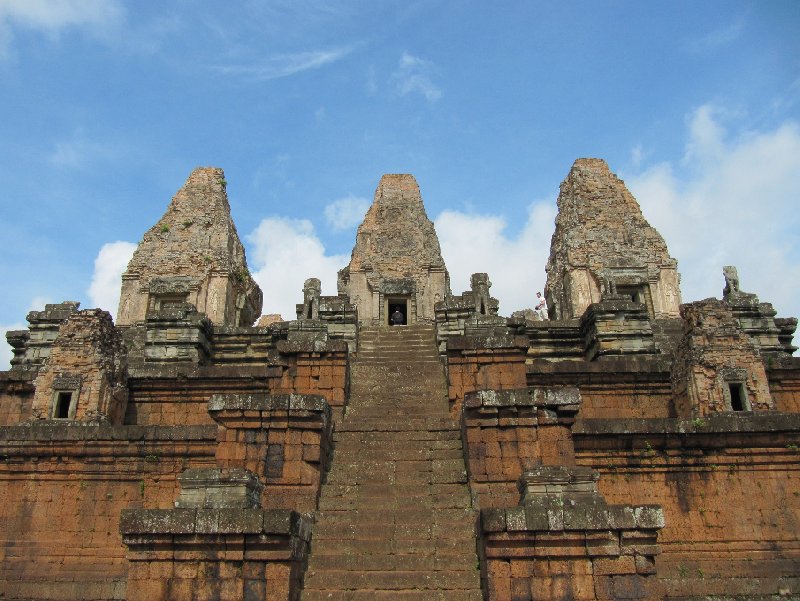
(630,447)
(603,245)
(396,262)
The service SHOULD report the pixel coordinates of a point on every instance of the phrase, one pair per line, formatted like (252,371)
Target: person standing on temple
(397,318)
(541,306)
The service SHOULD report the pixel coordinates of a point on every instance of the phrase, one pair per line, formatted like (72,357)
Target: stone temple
(624,446)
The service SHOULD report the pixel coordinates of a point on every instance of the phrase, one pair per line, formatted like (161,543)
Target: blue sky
(107,106)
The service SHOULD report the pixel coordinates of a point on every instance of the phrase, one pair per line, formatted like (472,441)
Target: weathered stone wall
(85,375)
(784,385)
(616,387)
(192,255)
(729,488)
(16,396)
(285,439)
(62,488)
(481,363)
(509,432)
(565,541)
(602,244)
(713,358)
(396,255)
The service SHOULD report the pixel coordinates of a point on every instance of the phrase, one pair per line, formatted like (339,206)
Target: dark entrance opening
(398,305)
(738,396)
(63,402)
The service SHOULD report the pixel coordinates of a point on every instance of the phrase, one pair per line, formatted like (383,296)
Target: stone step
(392,580)
(353,501)
(367,547)
(378,515)
(392,595)
(431,426)
(403,562)
(377,468)
(396,341)
(401,453)
(399,478)
(418,342)
(349,443)
(391,497)
(392,434)
(395,518)
(367,410)
(393,532)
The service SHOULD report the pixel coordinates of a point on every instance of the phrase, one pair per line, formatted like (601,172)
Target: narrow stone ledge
(487,342)
(566,499)
(139,522)
(564,397)
(54,430)
(733,422)
(268,402)
(290,347)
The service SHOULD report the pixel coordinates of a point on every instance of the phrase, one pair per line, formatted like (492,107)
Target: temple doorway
(397,304)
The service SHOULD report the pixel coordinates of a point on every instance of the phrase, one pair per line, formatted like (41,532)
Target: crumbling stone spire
(603,245)
(396,258)
(192,255)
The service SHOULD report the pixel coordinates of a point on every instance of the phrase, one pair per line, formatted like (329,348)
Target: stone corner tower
(192,255)
(603,244)
(396,262)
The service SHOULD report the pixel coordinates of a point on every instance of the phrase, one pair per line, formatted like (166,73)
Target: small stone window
(165,303)
(63,407)
(738,397)
(638,294)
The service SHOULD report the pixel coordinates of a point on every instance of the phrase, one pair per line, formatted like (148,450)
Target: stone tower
(396,262)
(603,245)
(192,255)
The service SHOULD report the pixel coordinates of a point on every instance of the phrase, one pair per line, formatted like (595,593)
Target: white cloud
(97,17)
(109,264)
(637,155)
(78,152)
(717,38)
(413,76)
(515,264)
(284,65)
(283,254)
(731,201)
(347,212)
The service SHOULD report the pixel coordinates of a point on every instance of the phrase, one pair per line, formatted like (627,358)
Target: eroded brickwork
(62,488)
(192,255)
(729,491)
(717,367)
(396,257)
(85,377)
(603,244)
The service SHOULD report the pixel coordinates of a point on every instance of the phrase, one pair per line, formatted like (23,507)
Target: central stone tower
(396,263)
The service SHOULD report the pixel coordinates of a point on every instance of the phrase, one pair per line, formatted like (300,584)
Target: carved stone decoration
(480,284)
(312,289)
(731,281)
(603,246)
(396,256)
(192,255)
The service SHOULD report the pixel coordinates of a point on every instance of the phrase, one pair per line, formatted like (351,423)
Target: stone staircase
(395,520)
